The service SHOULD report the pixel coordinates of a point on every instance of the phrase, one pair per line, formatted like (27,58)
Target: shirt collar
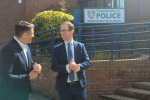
(68,42)
(21,44)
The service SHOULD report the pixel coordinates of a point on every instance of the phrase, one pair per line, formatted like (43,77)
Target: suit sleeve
(85,59)
(56,66)
(7,60)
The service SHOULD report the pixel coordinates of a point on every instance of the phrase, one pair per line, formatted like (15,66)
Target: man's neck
(19,40)
(69,40)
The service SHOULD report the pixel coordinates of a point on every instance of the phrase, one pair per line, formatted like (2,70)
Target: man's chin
(28,42)
(64,38)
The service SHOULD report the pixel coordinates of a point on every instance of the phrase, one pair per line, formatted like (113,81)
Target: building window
(19,1)
(83,5)
(91,4)
(120,3)
(109,3)
(100,3)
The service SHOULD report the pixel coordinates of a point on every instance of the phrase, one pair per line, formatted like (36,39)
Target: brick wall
(11,12)
(41,5)
(103,77)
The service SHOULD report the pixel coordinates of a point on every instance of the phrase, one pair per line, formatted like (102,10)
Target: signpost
(104,16)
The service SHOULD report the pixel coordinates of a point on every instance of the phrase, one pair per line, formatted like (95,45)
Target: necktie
(71,74)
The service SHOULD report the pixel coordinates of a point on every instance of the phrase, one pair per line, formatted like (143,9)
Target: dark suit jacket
(59,62)
(14,71)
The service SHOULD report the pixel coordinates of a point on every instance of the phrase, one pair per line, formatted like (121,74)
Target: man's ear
(72,31)
(25,34)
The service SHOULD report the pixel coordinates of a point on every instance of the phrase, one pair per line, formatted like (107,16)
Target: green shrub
(49,20)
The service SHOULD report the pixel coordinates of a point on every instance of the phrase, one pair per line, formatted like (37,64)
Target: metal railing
(115,38)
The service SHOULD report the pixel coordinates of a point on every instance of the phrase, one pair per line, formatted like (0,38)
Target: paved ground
(37,97)
(144,56)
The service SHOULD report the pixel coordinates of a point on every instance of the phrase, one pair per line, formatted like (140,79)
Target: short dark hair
(23,27)
(70,25)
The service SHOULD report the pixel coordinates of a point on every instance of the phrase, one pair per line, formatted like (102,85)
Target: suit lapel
(29,58)
(75,49)
(20,49)
(63,52)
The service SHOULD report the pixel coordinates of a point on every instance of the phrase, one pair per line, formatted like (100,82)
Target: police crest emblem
(91,14)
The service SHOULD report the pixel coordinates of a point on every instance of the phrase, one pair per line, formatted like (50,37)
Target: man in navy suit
(70,60)
(16,65)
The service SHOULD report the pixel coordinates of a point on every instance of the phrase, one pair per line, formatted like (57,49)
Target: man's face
(66,34)
(29,36)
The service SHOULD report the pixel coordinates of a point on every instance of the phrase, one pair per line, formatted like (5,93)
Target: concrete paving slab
(118,97)
(35,96)
(144,56)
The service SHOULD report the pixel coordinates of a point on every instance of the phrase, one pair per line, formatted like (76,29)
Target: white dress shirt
(24,48)
(67,66)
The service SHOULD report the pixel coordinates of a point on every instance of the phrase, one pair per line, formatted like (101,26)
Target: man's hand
(33,74)
(76,67)
(73,66)
(37,67)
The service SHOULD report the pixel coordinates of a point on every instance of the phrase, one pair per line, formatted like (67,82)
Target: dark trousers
(73,92)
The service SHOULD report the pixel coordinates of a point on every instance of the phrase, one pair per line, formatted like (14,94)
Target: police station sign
(99,16)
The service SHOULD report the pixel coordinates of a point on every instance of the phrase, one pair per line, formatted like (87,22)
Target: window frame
(19,1)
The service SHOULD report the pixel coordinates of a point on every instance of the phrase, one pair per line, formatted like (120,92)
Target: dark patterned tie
(71,74)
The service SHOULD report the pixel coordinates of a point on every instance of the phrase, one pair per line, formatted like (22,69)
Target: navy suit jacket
(59,62)
(14,70)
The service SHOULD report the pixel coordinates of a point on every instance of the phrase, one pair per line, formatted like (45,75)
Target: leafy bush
(49,20)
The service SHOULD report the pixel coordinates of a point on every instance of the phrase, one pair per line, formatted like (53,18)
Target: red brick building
(12,11)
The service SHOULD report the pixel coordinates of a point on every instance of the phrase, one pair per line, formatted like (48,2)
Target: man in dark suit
(16,65)
(70,60)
